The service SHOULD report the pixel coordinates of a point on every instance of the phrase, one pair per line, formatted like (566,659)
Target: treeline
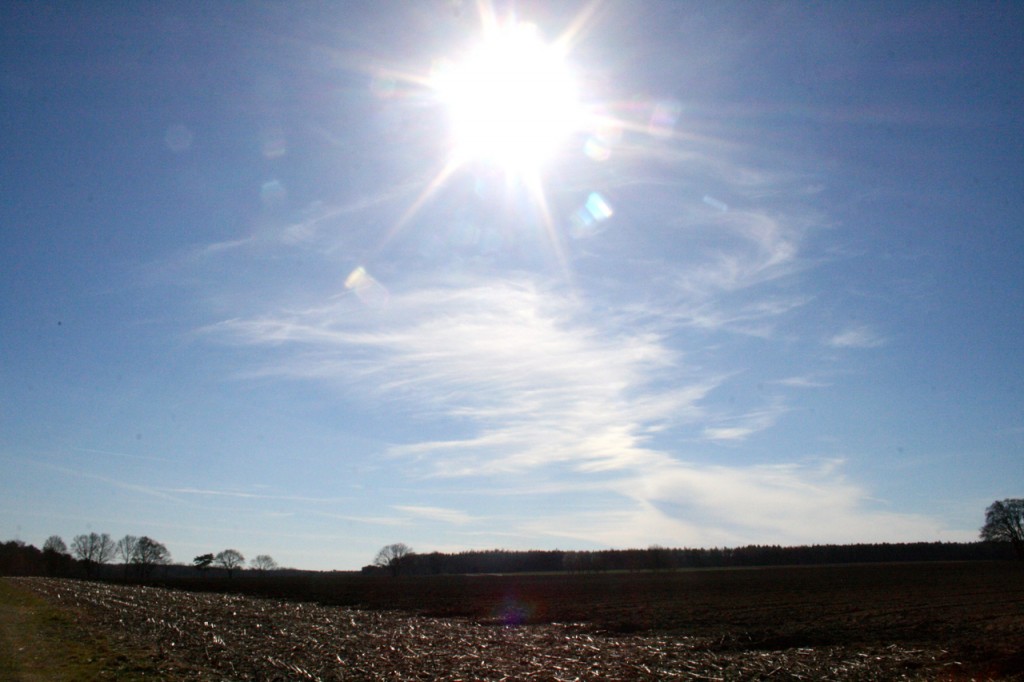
(17,558)
(664,558)
(88,557)
(94,556)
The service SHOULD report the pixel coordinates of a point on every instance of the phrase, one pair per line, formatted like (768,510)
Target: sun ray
(536,189)
(488,17)
(453,164)
(580,23)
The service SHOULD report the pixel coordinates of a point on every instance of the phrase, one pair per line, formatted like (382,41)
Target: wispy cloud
(123,455)
(802,382)
(857,337)
(551,392)
(202,492)
(742,426)
(308,229)
(742,280)
(215,248)
(757,248)
(149,491)
(532,383)
(543,385)
(676,503)
(436,514)
(367,519)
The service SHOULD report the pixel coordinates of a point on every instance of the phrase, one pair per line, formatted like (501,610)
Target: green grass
(40,641)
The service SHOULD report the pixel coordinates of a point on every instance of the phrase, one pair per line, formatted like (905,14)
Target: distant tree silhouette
(93,550)
(658,558)
(263,562)
(573,561)
(55,544)
(126,551)
(229,559)
(202,562)
(17,558)
(1004,522)
(655,557)
(56,559)
(393,557)
(149,554)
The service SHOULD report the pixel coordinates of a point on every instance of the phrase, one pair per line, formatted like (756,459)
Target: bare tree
(93,550)
(1004,522)
(393,557)
(263,562)
(126,551)
(229,559)
(55,544)
(149,554)
(126,547)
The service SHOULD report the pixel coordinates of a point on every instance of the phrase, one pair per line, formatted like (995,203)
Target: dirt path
(45,643)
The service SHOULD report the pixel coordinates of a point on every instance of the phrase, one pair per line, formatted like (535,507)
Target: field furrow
(210,636)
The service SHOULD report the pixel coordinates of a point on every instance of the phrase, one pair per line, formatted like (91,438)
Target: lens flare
(369,290)
(587,220)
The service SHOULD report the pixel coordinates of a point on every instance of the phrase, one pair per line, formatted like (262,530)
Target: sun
(511,100)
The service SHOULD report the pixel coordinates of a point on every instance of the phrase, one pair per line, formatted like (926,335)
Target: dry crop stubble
(241,637)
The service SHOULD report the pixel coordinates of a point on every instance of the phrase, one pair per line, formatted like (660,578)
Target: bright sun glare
(510,103)
(511,100)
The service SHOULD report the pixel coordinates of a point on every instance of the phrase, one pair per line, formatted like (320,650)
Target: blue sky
(768,291)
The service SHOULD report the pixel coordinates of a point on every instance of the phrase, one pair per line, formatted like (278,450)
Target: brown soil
(878,622)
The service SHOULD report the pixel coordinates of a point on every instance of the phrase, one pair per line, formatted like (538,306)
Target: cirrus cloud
(563,402)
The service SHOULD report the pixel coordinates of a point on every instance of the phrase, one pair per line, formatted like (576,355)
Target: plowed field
(906,621)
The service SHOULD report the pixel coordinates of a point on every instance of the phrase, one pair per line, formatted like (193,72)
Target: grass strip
(41,641)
